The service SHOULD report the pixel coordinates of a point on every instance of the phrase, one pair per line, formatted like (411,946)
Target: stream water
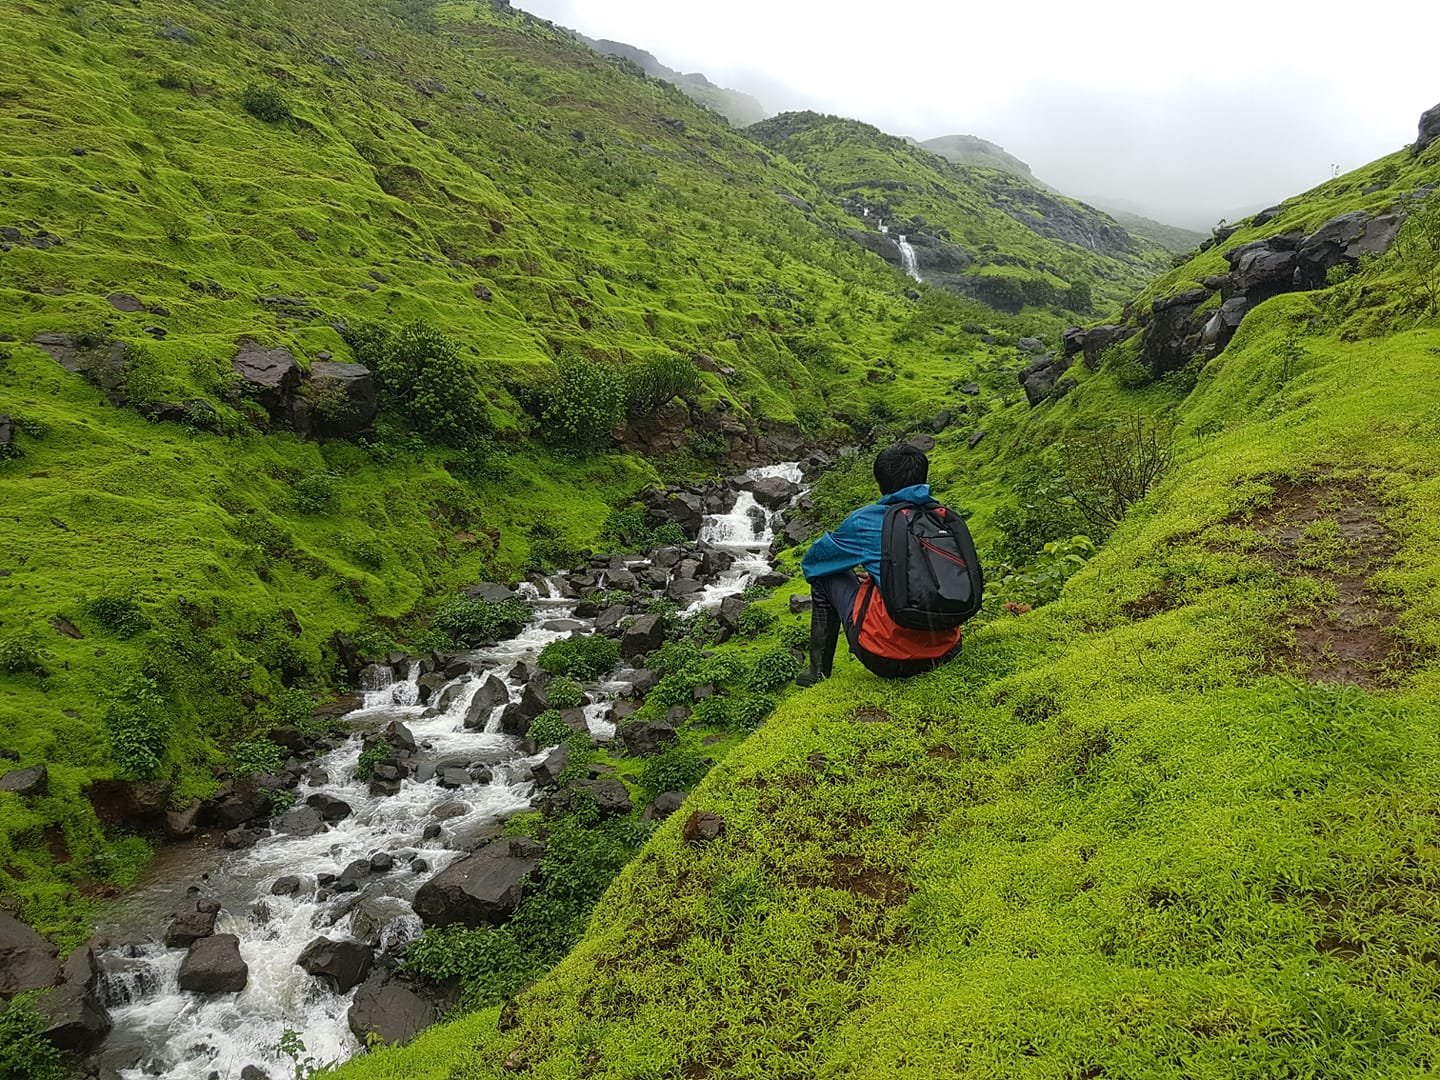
(161,1030)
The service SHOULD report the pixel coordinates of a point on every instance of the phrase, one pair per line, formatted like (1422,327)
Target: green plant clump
(265,103)
(24,1053)
(586,657)
(474,622)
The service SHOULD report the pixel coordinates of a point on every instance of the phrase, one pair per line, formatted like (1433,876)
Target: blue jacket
(857,539)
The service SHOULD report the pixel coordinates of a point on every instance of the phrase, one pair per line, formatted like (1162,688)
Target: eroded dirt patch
(1331,531)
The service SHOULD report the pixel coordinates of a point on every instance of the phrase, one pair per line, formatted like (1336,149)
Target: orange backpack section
(880,635)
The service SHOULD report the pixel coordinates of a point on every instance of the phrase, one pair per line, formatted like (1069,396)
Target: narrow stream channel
(381,853)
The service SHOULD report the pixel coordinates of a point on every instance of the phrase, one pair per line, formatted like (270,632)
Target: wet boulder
(731,608)
(1263,268)
(73,1019)
(289,885)
(189,927)
(482,889)
(1040,376)
(370,917)
(492,692)
(1221,326)
(300,821)
(27,960)
(329,807)
(214,966)
(701,827)
(1342,241)
(773,492)
(609,796)
(27,783)
(665,804)
(240,839)
(390,1009)
(430,684)
(386,780)
(683,589)
(547,772)
(342,965)
(645,635)
(1072,340)
(452,777)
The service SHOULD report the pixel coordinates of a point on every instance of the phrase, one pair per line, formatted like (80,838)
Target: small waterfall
(907,258)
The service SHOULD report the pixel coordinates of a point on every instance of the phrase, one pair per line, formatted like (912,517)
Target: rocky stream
(295,922)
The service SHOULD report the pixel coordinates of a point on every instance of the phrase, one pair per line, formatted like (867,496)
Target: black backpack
(930,576)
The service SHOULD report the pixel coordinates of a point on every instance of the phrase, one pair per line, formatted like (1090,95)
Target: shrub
(118,615)
(754,621)
(1107,471)
(24,1053)
(490,964)
(1043,512)
(423,379)
(370,757)
(582,405)
(257,756)
(367,554)
(677,769)
(1040,581)
(565,693)
(20,656)
(1079,298)
(462,619)
(795,637)
(317,493)
(650,385)
(586,657)
(550,729)
(265,103)
(733,712)
(772,670)
(138,720)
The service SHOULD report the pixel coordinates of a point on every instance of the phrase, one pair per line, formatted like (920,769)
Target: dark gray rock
(73,1018)
(547,772)
(492,692)
(370,917)
(453,778)
(27,960)
(329,807)
(1429,129)
(682,589)
(731,608)
(270,376)
(773,492)
(482,889)
(647,737)
(289,885)
(27,783)
(389,1009)
(300,821)
(1222,325)
(189,927)
(800,603)
(491,592)
(1040,376)
(665,804)
(645,635)
(240,839)
(1343,240)
(342,965)
(214,966)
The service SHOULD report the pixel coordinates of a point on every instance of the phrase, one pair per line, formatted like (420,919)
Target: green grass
(1099,843)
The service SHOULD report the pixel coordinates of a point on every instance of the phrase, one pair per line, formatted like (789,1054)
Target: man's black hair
(900,466)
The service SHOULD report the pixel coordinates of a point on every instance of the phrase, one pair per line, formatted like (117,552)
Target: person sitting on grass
(843,568)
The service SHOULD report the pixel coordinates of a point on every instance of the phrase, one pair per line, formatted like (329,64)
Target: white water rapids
(161,1030)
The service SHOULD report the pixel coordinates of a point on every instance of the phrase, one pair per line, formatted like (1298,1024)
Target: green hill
(1175,822)
(203,208)
(973,150)
(984,233)
(739,108)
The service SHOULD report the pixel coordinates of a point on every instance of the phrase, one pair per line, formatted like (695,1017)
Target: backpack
(930,576)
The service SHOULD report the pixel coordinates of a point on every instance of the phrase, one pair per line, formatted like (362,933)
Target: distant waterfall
(908,259)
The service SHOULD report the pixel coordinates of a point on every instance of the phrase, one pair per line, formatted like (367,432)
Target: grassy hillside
(1010,228)
(1176,822)
(178,178)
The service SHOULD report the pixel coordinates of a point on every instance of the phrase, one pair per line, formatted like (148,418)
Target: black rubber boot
(824,636)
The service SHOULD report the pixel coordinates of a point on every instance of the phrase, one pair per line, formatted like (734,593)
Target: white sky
(1192,110)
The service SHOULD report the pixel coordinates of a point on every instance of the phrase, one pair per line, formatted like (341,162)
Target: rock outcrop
(388,1008)
(340,964)
(27,960)
(1429,129)
(214,966)
(482,889)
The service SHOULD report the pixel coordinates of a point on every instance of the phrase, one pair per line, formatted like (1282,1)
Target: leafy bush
(370,757)
(586,657)
(265,103)
(754,621)
(118,615)
(625,530)
(1109,470)
(21,655)
(650,385)
(579,409)
(138,720)
(464,620)
(1043,511)
(772,670)
(795,637)
(733,712)
(566,693)
(550,729)
(24,1053)
(1040,581)
(257,756)
(423,379)
(491,965)
(677,769)
(367,554)
(317,493)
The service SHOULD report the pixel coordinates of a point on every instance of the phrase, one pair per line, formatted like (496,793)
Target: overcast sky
(1221,107)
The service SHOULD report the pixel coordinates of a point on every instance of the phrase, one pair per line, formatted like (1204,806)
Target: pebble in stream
(352,876)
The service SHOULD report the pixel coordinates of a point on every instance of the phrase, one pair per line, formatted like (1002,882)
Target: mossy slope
(1123,835)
